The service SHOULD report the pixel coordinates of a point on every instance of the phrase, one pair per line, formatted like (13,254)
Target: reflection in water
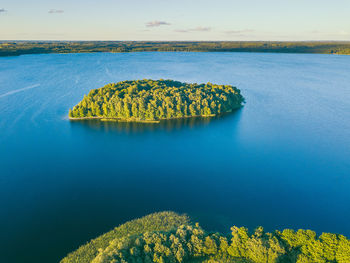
(139,127)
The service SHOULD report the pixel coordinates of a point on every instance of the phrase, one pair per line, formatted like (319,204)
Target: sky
(175,20)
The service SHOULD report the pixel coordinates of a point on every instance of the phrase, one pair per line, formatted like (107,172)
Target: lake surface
(282,161)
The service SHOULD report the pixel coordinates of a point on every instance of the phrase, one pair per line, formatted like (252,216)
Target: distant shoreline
(108,52)
(17,48)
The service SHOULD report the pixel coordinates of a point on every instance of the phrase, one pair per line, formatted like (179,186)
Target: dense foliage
(153,100)
(164,221)
(190,243)
(13,48)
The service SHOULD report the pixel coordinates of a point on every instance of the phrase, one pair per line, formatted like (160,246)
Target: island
(168,237)
(155,100)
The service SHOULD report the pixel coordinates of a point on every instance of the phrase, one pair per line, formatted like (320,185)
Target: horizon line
(87,40)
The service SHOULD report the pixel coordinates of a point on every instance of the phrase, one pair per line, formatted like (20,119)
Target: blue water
(282,161)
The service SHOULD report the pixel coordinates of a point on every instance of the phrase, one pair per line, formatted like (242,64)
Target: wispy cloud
(343,33)
(201,28)
(2,10)
(56,11)
(315,32)
(157,23)
(335,34)
(181,30)
(238,32)
(198,28)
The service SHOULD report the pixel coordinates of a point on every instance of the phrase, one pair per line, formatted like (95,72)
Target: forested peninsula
(16,48)
(154,100)
(167,237)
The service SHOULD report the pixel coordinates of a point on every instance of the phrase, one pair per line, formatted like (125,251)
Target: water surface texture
(282,161)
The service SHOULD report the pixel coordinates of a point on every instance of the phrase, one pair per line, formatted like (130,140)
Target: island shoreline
(104,119)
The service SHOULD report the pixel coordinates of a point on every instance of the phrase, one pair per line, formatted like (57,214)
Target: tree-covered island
(154,100)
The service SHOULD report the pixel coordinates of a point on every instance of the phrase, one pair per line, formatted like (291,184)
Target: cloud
(238,32)
(56,11)
(181,30)
(315,32)
(198,29)
(343,33)
(327,34)
(3,10)
(157,23)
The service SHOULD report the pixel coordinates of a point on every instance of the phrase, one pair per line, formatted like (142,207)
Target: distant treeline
(171,238)
(14,48)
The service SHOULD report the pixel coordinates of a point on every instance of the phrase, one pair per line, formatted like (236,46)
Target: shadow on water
(164,125)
